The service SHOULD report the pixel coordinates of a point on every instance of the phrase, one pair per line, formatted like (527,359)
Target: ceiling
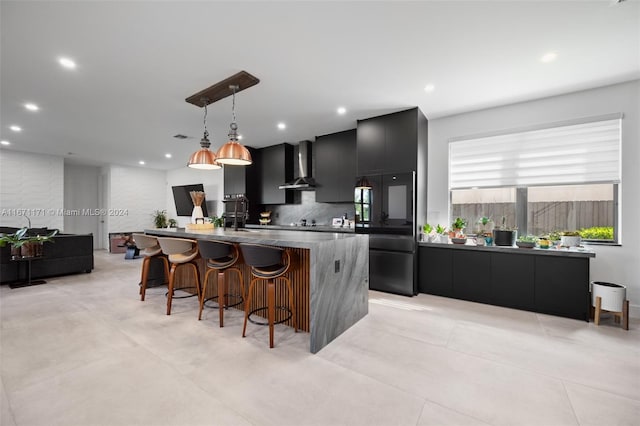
(138,61)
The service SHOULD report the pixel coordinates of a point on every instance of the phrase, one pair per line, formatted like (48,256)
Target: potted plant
(23,245)
(173,223)
(527,241)
(160,218)
(485,225)
(441,231)
(428,233)
(457,228)
(570,239)
(218,222)
(503,235)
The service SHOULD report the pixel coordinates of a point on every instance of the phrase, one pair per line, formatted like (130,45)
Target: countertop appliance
(236,210)
(386,212)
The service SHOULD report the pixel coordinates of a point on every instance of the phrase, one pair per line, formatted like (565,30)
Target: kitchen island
(331,281)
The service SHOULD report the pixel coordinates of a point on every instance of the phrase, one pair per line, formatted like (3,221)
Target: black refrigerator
(385,209)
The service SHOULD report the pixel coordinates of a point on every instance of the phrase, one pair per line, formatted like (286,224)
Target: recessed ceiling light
(548,57)
(16,128)
(167,155)
(429,88)
(282,126)
(31,107)
(342,110)
(141,162)
(67,63)
(5,143)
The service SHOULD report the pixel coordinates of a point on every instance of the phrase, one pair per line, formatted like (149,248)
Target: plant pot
(444,238)
(504,238)
(612,295)
(525,244)
(31,249)
(570,241)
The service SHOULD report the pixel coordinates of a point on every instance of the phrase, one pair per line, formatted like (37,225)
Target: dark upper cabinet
(235,179)
(276,168)
(335,167)
(389,143)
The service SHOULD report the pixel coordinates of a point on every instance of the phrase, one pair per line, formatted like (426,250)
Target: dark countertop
(567,252)
(317,228)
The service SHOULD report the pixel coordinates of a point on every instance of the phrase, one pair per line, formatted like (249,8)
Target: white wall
(213,182)
(133,194)
(618,264)
(81,194)
(33,182)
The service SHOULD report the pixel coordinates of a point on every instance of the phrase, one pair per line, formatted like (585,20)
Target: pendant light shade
(363,183)
(204,158)
(232,152)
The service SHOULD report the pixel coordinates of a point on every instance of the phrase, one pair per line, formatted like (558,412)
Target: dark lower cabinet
(562,287)
(472,276)
(550,284)
(512,281)
(435,270)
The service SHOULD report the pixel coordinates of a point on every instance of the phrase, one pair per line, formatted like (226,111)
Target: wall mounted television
(184,205)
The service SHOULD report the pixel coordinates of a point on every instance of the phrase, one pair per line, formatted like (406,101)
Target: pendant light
(204,159)
(363,183)
(232,152)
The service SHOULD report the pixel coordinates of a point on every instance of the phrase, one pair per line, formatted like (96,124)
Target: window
(362,199)
(558,178)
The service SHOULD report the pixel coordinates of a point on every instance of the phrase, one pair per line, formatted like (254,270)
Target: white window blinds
(587,152)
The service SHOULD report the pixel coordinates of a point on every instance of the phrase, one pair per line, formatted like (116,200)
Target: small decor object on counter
(544,243)
(265,218)
(429,233)
(503,235)
(459,240)
(441,232)
(457,228)
(570,239)
(197,197)
(527,241)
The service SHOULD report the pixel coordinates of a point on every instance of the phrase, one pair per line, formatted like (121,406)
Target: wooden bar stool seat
(268,264)
(181,252)
(150,249)
(221,257)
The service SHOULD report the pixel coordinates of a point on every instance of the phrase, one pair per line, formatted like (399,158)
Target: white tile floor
(83,350)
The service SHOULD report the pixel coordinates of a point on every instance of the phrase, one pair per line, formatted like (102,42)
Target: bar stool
(221,257)
(181,252)
(151,249)
(268,264)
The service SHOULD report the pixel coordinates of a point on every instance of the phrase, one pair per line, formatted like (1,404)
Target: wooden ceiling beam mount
(222,89)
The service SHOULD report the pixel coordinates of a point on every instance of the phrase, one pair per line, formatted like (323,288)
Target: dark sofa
(67,254)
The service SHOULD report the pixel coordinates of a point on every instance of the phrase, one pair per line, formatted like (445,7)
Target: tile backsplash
(309,209)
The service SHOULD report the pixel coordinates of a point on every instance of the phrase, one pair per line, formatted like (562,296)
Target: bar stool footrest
(236,296)
(281,308)
(181,297)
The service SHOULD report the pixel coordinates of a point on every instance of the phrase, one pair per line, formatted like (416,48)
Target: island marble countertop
(311,228)
(275,237)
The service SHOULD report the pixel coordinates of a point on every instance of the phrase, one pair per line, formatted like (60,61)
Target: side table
(29,281)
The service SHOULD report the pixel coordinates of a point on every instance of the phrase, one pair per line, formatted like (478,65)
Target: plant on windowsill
(441,231)
(23,245)
(457,228)
(527,241)
(504,235)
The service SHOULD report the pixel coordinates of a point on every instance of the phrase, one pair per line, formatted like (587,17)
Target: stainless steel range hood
(303,181)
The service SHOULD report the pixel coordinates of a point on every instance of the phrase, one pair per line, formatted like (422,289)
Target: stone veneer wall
(309,209)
